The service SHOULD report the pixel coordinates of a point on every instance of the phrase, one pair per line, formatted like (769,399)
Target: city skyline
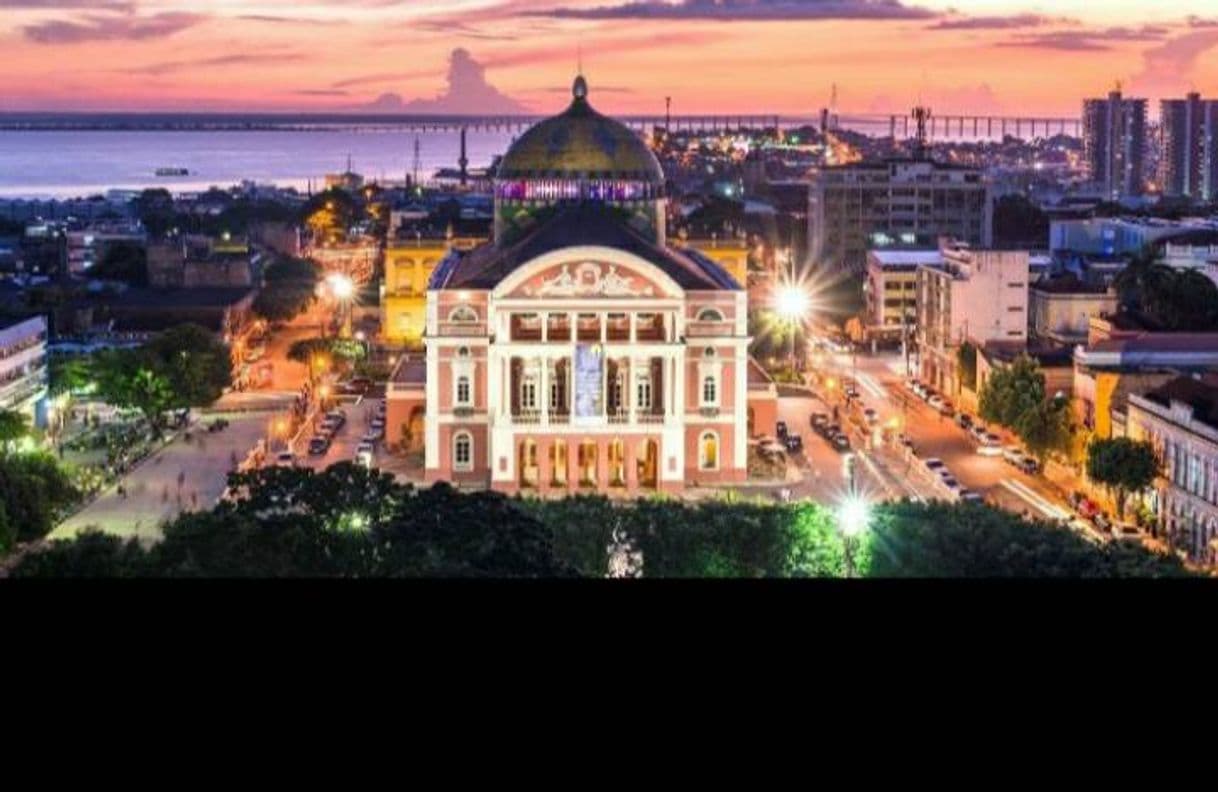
(991,56)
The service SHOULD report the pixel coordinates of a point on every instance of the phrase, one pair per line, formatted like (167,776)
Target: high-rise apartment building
(1114,144)
(1188,165)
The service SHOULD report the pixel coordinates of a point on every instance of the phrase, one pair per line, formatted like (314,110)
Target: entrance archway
(649,464)
(529,470)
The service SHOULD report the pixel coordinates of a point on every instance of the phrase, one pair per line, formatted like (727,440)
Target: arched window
(708,451)
(463,314)
(463,451)
(710,391)
(709,315)
(463,391)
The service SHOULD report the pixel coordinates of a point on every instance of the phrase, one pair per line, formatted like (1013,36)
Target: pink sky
(772,56)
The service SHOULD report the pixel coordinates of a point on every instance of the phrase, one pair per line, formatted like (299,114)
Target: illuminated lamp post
(853,520)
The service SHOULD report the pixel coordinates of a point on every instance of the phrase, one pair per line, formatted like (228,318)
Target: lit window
(708,451)
(463,452)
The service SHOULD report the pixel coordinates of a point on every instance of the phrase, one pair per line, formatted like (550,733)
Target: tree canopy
(123,261)
(186,366)
(347,522)
(1122,465)
(1167,298)
(288,289)
(34,493)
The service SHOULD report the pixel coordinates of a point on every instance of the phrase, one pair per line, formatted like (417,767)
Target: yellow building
(732,254)
(408,268)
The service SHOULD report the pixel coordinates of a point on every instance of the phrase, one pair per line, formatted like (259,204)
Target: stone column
(572,466)
(602,465)
(632,448)
(543,397)
(631,386)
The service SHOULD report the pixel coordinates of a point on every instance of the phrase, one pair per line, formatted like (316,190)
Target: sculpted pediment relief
(588,279)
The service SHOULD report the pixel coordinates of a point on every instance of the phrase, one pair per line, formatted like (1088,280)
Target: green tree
(35,492)
(70,374)
(13,427)
(1122,465)
(155,210)
(1046,428)
(966,358)
(289,287)
(1019,223)
(123,261)
(1011,391)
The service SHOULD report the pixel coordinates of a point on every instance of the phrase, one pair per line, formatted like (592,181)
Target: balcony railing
(703,328)
(462,328)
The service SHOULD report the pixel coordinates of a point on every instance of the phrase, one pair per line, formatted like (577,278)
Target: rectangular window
(528,395)
(643,391)
(463,391)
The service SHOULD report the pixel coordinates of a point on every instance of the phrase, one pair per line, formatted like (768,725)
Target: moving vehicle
(319,445)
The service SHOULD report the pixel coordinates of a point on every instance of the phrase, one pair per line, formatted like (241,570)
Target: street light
(853,519)
(343,290)
(791,302)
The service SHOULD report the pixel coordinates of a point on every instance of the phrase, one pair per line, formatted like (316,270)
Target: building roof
(1068,283)
(580,143)
(573,225)
(411,371)
(1200,394)
(907,258)
(759,379)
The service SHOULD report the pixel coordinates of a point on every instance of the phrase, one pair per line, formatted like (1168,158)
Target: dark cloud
(468,91)
(1201,22)
(1087,40)
(759,10)
(459,30)
(1014,22)
(111,28)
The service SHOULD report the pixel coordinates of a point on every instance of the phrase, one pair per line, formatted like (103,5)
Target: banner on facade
(589,383)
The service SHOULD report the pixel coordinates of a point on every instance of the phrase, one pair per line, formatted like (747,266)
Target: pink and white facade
(587,368)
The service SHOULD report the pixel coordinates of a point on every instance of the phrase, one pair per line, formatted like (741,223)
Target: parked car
(781,429)
(1086,507)
(991,445)
(904,439)
(936,402)
(372,437)
(871,416)
(285,459)
(934,465)
(794,443)
(771,447)
(968,496)
(946,408)
(1029,465)
(840,442)
(378,424)
(364,454)
(952,484)
(964,420)
(819,421)
(1102,522)
(1013,454)
(851,392)
(1123,532)
(319,445)
(979,431)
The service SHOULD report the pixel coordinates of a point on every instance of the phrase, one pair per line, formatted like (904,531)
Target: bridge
(954,125)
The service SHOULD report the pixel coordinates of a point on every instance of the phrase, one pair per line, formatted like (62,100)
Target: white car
(979,431)
(936,402)
(365,454)
(1123,532)
(871,416)
(991,445)
(968,496)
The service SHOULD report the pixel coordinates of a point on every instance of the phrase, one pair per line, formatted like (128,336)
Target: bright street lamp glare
(853,516)
(342,286)
(792,302)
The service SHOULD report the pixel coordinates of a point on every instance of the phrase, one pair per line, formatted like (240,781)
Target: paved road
(880,381)
(345,442)
(152,488)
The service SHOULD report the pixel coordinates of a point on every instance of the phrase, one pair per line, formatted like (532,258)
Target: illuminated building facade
(578,351)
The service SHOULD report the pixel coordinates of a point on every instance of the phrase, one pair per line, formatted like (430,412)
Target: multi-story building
(891,291)
(409,265)
(578,350)
(23,364)
(1060,309)
(1188,162)
(894,203)
(978,296)
(1114,144)
(1180,418)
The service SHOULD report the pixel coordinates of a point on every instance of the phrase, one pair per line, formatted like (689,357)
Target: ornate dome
(580,144)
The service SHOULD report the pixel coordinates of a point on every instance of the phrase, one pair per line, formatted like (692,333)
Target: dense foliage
(350,522)
(123,261)
(288,289)
(1167,298)
(1123,465)
(1019,224)
(966,358)
(1014,396)
(34,494)
(186,366)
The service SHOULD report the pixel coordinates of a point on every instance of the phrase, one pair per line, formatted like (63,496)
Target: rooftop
(1200,394)
(575,225)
